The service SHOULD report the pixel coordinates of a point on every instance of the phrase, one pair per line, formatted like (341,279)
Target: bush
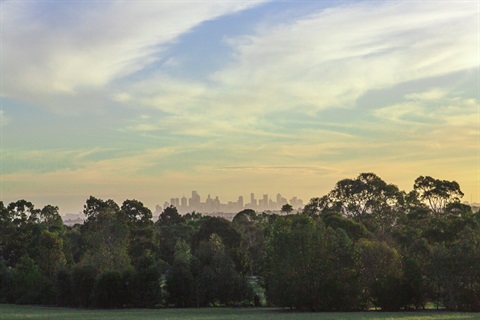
(63,288)
(5,281)
(144,284)
(311,267)
(29,286)
(83,282)
(456,272)
(110,290)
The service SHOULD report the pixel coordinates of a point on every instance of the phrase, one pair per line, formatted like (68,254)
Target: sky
(150,100)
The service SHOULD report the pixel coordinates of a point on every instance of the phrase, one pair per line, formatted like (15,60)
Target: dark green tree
(230,237)
(251,229)
(50,219)
(110,290)
(144,283)
(142,234)
(218,281)
(180,281)
(171,228)
(83,283)
(106,234)
(170,215)
(382,274)
(437,193)
(367,198)
(286,208)
(64,288)
(95,206)
(49,255)
(311,267)
(456,272)
(29,285)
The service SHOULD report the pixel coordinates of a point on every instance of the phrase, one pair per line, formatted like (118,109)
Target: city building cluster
(214,205)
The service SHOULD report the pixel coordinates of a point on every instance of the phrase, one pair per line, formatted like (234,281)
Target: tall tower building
(240,202)
(265,201)
(194,201)
(253,201)
(184,202)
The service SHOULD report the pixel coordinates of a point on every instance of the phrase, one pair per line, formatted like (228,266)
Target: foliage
(251,229)
(110,290)
(381,272)
(144,283)
(106,236)
(230,237)
(28,285)
(456,272)
(311,267)
(83,283)
(218,281)
(437,193)
(364,244)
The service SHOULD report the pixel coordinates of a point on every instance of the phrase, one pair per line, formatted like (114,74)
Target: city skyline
(143,99)
(214,205)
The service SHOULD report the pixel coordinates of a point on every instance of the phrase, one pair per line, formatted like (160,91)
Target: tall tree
(180,282)
(217,279)
(135,211)
(107,236)
(49,254)
(249,226)
(311,267)
(142,229)
(437,193)
(231,239)
(381,270)
(50,218)
(95,206)
(358,197)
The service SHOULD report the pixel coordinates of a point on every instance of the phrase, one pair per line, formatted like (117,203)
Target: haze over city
(215,205)
(148,100)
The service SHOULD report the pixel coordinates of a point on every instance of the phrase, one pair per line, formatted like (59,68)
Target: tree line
(366,244)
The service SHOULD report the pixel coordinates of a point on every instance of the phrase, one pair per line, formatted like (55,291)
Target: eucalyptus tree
(311,267)
(437,193)
(142,235)
(106,235)
(366,198)
(230,237)
(251,229)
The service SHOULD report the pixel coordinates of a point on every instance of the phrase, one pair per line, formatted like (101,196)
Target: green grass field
(40,313)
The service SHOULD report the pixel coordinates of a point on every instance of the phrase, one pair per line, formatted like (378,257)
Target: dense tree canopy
(364,244)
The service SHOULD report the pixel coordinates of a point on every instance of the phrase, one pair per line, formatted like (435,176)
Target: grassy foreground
(39,313)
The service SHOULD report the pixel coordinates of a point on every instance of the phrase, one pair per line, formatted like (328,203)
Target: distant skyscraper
(280,201)
(184,202)
(214,205)
(253,201)
(194,201)
(240,202)
(296,203)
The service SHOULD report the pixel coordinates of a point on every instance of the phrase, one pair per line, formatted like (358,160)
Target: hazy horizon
(150,100)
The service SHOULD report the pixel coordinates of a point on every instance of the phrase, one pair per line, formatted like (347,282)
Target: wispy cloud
(82,47)
(289,67)
(331,58)
(433,108)
(276,169)
(282,111)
